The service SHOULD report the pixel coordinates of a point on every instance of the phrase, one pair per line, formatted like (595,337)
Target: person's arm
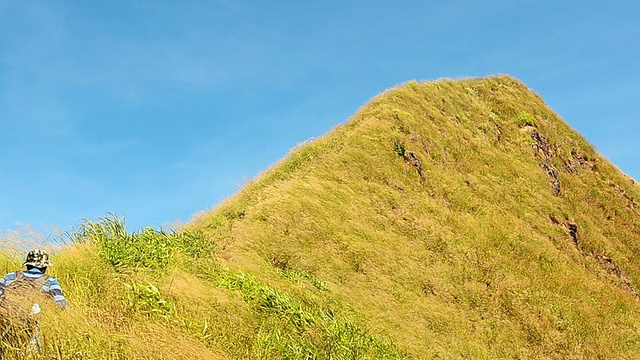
(53,288)
(6,281)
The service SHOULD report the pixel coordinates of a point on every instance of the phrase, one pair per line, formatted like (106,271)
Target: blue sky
(156,110)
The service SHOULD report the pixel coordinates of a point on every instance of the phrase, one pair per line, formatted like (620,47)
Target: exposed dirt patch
(542,147)
(632,204)
(577,162)
(616,274)
(546,151)
(573,230)
(614,270)
(412,159)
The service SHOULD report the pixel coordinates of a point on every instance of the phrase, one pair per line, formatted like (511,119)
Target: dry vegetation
(449,219)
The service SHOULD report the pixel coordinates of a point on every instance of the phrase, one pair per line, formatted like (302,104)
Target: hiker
(20,292)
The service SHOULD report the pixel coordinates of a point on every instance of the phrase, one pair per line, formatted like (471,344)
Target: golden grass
(343,250)
(151,341)
(467,262)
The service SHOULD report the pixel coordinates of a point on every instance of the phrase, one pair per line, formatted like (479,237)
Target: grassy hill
(447,219)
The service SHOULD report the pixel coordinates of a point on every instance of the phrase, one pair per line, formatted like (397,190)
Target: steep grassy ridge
(446,219)
(442,213)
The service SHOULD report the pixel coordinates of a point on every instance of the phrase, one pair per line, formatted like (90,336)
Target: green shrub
(526,119)
(150,248)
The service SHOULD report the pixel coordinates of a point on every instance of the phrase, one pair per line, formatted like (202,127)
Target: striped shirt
(51,286)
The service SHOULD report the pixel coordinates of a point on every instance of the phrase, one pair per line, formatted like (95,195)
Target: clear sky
(156,110)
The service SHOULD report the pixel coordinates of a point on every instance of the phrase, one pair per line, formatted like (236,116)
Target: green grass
(343,250)
(122,283)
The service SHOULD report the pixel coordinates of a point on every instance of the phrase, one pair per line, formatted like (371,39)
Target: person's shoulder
(11,276)
(8,279)
(51,280)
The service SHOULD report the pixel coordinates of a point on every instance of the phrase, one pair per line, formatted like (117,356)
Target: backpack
(19,298)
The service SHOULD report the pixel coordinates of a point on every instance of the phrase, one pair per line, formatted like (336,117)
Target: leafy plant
(526,119)
(149,247)
(145,297)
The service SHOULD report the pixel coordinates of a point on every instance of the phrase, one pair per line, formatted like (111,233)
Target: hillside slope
(457,218)
(447,219)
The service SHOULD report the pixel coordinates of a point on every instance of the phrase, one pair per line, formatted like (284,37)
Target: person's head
(37,259)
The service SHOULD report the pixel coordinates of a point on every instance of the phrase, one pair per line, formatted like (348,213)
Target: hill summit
(446,219)
(458,218)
